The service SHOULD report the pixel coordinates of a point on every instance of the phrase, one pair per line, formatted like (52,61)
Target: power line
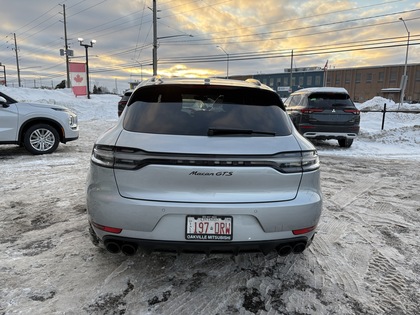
(88,8)
(295,29)
(345,47)
(29,23)
(305,18)
(383,43)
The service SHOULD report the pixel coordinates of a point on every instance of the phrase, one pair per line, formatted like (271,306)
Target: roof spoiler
(254,81)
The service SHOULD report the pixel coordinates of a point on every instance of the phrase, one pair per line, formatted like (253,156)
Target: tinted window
(194,110)
(294,100)
(327,100)
(207,93)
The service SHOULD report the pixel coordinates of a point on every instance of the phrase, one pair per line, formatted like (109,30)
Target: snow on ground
(364,259)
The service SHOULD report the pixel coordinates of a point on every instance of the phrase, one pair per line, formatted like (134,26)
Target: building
(362,83)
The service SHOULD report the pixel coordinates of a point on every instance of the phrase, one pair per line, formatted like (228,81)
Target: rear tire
(345,143)
(41,139)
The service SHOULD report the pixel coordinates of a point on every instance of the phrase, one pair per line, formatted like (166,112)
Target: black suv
(324,113)
(123,101)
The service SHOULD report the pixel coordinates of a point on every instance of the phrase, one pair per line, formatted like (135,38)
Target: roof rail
(157,79)
(254,81)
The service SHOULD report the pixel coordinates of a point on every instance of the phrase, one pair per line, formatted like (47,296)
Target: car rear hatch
(330,109)
(207,169)
(207,144)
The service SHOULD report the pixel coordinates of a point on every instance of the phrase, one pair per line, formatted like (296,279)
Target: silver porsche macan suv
(203,165)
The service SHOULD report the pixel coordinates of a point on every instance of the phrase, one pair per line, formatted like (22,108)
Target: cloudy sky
(197,36)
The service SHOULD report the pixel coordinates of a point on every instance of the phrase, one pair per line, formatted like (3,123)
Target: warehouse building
(362,83)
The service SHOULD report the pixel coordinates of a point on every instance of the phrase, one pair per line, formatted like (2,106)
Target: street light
(87,61)
(227,62)
(4,71)
(404,78)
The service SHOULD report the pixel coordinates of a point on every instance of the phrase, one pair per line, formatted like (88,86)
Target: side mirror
(3,102)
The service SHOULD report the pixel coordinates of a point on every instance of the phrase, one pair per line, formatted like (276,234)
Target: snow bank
(377,103)
(99,107)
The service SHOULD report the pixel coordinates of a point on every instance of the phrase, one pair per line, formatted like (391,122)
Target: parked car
(37,127)
(324,113)
(203,165)
(123,101)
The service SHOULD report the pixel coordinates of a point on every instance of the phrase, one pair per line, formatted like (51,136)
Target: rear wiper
(222,131)
(220,97)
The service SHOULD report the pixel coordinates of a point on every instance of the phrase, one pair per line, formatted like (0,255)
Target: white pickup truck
(37,127)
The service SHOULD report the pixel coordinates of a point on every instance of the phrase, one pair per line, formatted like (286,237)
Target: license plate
(209,228)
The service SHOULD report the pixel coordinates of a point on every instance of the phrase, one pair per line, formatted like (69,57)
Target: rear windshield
(205,110)
(328,100)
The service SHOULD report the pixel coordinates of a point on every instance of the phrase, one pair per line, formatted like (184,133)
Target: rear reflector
(107,228)
(304,231)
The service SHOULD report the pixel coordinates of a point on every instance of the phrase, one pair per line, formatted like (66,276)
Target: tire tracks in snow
(364,258)
(360,221)
(389,286)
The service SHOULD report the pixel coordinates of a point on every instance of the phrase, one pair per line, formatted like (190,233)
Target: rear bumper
(329,135)
(283,247)
(329,132)
(161,226)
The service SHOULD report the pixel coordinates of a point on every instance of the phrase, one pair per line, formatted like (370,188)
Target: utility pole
(155,38)
(17,60)
(404,77)
(291,73)
(66,48)
(227,62)
(154,52)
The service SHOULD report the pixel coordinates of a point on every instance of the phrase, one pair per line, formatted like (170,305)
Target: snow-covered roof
(326,89)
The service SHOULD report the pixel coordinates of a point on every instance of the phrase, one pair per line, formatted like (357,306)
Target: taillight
(134,159)
(311,110)
(121,158)
(103,155)
(310,161)
(353,111)
(107,228)
(296,162)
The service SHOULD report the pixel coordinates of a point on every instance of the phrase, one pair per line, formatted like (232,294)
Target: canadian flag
(78,78)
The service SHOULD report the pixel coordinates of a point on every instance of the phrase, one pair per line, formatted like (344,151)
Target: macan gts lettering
(197,173)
